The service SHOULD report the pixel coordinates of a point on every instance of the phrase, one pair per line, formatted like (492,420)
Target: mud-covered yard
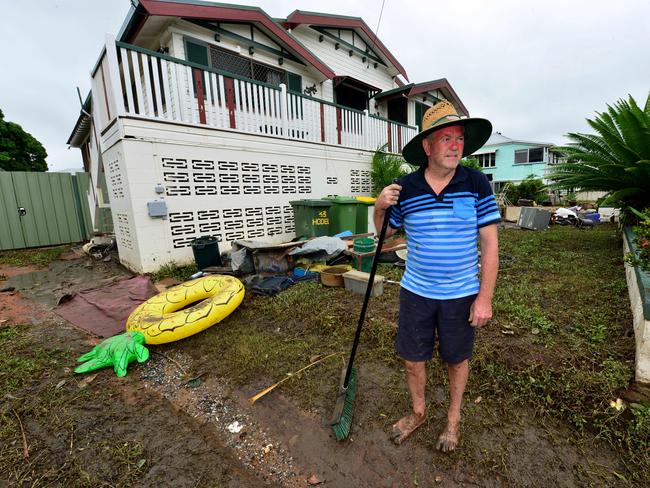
(537,409)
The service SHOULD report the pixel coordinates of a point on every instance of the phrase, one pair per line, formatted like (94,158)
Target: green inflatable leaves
(118,351)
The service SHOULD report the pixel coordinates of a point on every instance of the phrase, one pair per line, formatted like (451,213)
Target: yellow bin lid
(367,199)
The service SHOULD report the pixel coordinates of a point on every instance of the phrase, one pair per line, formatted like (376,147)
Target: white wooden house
(208,119)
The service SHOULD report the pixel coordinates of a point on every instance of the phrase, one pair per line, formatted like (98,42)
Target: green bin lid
(311,203)
(342,199)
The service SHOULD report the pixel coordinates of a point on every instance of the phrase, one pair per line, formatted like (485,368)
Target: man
(444,208)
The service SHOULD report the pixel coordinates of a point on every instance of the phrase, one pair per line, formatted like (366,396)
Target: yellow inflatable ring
(167,317)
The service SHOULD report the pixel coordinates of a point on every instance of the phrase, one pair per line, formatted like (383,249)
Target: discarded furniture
(534,218)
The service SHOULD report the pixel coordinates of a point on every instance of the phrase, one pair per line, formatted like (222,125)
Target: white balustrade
(155,86)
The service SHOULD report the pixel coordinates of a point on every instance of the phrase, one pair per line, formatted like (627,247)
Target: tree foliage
(19,150)
(531,188)
(616,159)
(472,162)
(385,167)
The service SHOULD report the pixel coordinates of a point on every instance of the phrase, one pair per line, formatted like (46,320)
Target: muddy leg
(416,380)
(458,373)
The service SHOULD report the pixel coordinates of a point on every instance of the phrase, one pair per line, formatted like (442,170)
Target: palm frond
(616,159)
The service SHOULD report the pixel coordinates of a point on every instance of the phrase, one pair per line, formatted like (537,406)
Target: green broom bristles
(342,427)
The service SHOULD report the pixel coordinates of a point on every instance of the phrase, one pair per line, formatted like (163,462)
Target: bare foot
(448,440)
(405,427)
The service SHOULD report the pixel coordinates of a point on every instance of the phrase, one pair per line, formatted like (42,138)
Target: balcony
(135,82)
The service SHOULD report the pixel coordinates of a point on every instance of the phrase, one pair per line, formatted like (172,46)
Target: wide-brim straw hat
(443,114)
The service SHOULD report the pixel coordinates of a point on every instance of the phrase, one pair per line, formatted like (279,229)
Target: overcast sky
(535,69)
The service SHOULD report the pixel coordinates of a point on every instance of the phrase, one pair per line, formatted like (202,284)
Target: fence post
(283,111)
(115,85)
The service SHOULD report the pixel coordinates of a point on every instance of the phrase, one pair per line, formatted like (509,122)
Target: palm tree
(385,167)
(616,159)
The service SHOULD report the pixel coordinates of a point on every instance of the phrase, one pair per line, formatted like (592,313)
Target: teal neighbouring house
(507,160)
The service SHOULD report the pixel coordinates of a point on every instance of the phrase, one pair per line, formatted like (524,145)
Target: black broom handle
(366,299)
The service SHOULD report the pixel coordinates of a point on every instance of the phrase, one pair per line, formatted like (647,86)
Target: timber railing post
(114,83)
(322,122)
(230,101)
(338,125)
(200,93)
(284,114)
(390,137)
(365,130)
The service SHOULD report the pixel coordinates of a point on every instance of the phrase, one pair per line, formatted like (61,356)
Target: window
(420,108)
(536,155)
(398,110)
(532,155)
(521,156)
(295,83)
(487,160)
(225,60)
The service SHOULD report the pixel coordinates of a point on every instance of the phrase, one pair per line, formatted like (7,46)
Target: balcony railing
(142,83)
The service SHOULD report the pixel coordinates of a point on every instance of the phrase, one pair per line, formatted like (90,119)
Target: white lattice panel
(216,186)
(228,185)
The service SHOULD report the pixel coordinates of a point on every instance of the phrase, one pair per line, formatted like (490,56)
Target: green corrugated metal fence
(43,209)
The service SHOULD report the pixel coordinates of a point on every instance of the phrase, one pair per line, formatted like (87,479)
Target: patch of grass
(21,364)
(567,284)
(32,257)
(173,270)
(128,456)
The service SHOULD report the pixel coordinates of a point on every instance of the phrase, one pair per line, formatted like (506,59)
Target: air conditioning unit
(534,218)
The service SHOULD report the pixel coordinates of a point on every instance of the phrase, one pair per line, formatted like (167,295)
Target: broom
(342,416)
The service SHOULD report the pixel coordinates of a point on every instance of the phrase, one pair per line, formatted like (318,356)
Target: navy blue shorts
(420,319)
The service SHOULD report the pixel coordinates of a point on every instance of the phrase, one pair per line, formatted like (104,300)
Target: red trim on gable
(297,17)
(216,12)
(441,84)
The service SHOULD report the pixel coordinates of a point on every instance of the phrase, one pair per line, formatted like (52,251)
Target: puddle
(60,278)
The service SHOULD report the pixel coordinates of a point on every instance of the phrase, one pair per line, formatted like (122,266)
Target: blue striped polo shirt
(442,232)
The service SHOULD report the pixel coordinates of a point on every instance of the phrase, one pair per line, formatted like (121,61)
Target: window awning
(357,84)
(485,151)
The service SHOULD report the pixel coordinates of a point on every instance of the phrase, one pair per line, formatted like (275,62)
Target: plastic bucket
(364,245)
(206,252)
(361,246)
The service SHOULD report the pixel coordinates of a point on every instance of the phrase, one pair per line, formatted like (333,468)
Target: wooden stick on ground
(172,361)
(254,398)
(22,431)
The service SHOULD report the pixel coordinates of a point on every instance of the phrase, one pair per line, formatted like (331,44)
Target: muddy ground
(179,420)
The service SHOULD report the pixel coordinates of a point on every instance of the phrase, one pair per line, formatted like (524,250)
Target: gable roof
(299,17)
(210,11)
(497,139)
(417,88)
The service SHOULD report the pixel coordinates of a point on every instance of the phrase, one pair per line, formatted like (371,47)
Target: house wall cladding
(228,185)
(341,62)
